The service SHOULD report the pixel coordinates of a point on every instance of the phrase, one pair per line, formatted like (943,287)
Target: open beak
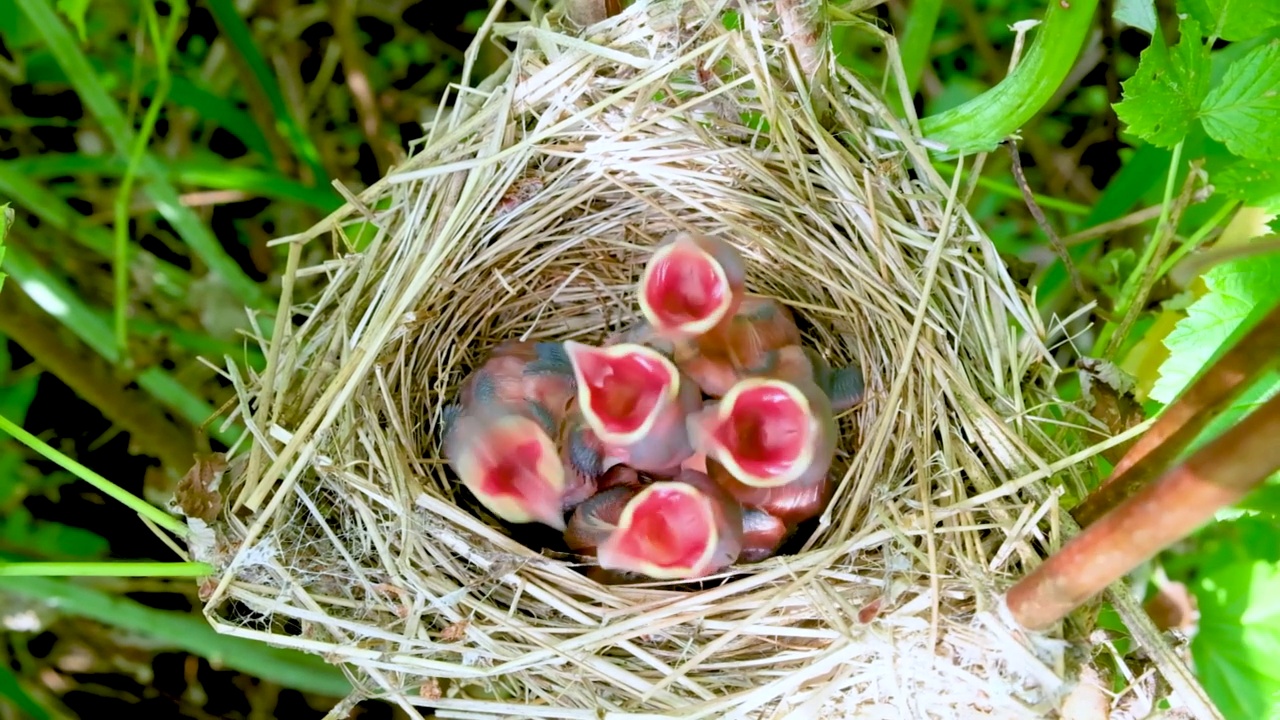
(511,465)
(764,432)
(681,529)
(666,532)
(622,389)
(686,290)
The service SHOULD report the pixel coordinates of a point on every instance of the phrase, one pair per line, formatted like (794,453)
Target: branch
(1179,502)
(1254,355)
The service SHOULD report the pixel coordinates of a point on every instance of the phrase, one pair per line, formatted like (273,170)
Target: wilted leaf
(197,493)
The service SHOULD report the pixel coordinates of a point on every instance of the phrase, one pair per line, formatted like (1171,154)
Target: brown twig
(1255,354)
(342,17)
(1107,228)
(1063,254)
(1179,502)
(92,379)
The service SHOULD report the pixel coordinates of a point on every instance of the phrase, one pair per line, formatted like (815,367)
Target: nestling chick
(635,402)
(770,443)
(691,286)
(508,460)
(762,535)
(678,529)
(597,518)
(742,349)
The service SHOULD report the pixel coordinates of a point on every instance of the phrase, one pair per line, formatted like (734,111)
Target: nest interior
(528,212)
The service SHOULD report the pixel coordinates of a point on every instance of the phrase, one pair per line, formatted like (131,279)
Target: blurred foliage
(151,151)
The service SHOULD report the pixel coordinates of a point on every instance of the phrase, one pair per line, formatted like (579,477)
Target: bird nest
(528,212)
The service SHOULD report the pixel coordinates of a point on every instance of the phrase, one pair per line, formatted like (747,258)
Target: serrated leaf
(1235,290)
(1233,20)
(1241,112)
(1140,14)
(1252,182)
(1161,99)
(1239,638)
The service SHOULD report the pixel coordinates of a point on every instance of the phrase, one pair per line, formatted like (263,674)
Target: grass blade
(200,170)
(18,185)
(53,295)
(108,488)
(11,690)
(105,569)
(96,98)
(288,668)
(237,31)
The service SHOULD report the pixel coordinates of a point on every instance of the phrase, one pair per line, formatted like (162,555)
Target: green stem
(983,122)
(1196,238)
(131,501)
(120,256)
(105,569)
(1009,191)
(1131,283)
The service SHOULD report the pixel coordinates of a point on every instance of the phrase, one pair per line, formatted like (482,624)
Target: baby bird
(677,529)
(691,286)
(635,402)
(770,443)
(500,435)
(597,518)
(507,459)
(519,373)
(762,535)
(742,349)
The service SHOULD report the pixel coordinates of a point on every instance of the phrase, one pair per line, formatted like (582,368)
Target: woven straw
(528,212)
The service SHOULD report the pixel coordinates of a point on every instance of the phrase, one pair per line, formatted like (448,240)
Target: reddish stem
(1158,515)
(1255,354)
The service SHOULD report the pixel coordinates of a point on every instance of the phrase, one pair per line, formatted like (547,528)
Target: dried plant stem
(1255,354)
(1015,161)
(1157,516)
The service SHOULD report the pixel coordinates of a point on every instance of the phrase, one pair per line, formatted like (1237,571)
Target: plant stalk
(1160,514)
(1249,359)
(983,122)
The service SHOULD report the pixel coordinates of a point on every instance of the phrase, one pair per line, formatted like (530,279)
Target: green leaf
(1236,290)
(43,539)
(1241,112)
(185,631)
(1140,14)
(75,10)
(1233,20)
(1252,182)
(1239,638)
(1161,99)
(11,690)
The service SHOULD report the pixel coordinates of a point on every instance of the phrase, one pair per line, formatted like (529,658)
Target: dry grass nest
(528,212)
